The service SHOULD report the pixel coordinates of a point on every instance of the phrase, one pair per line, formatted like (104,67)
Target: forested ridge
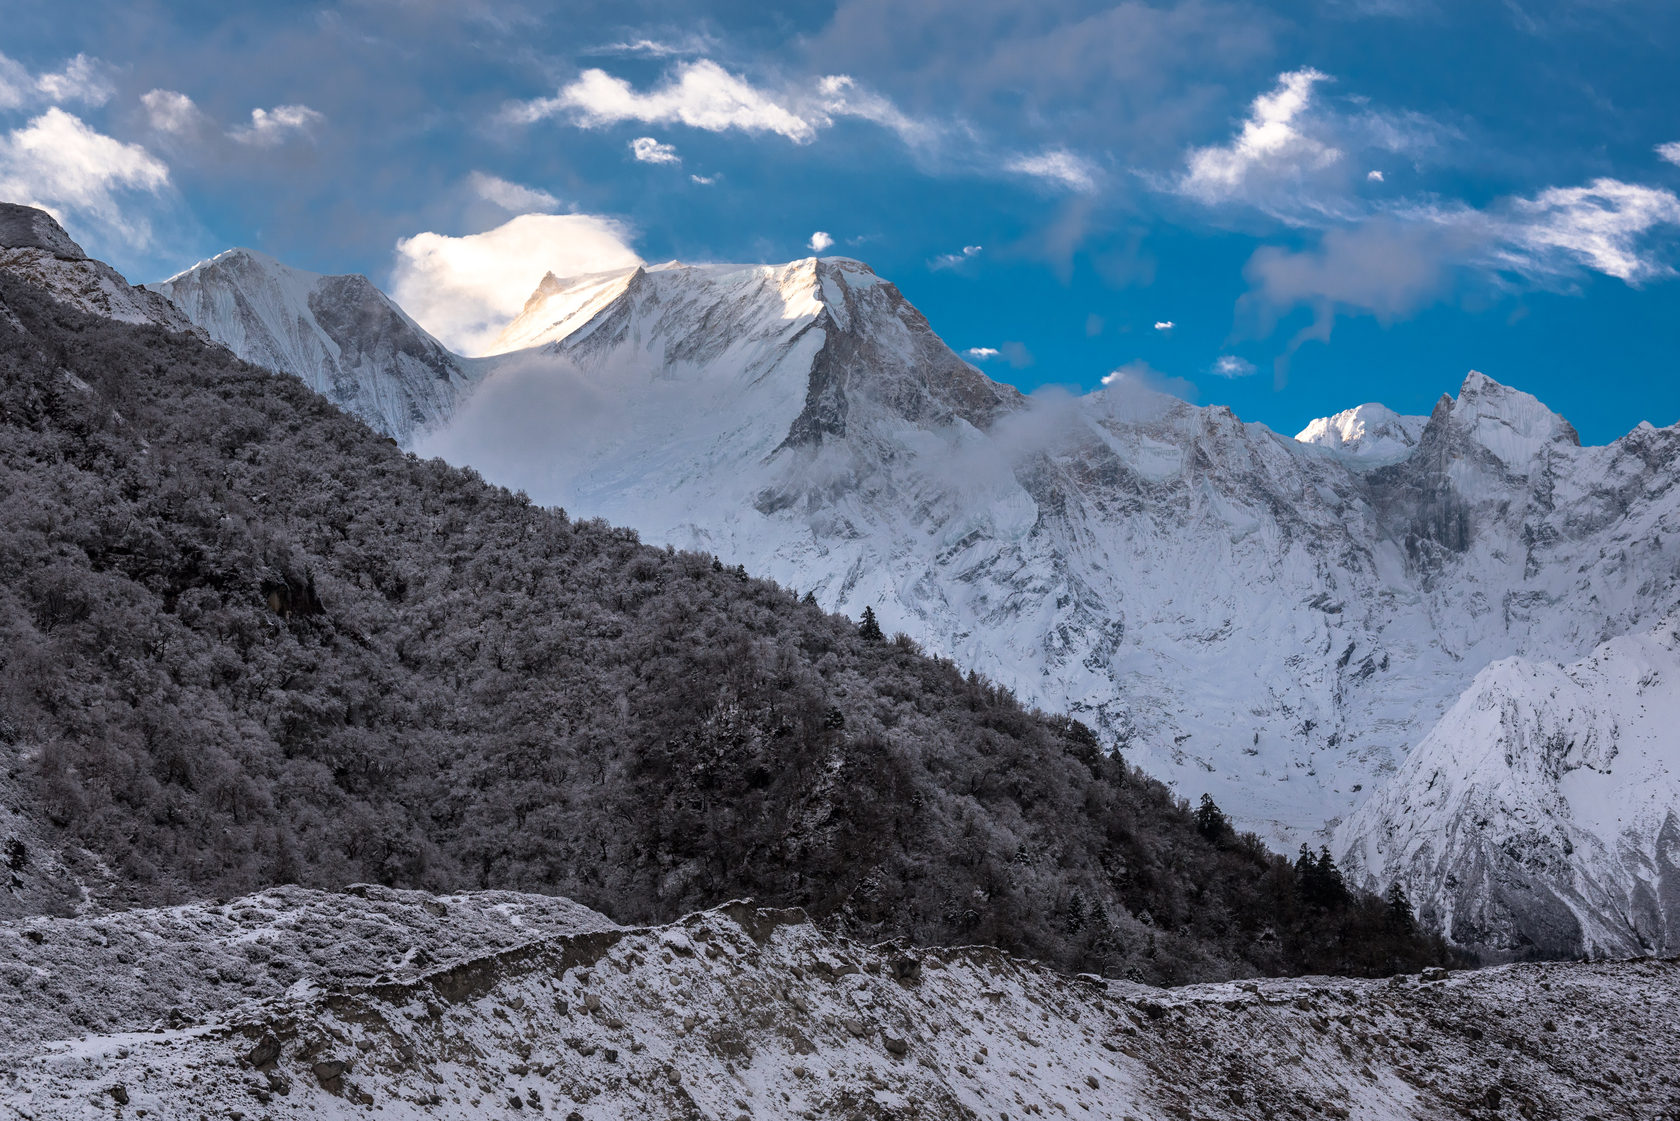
(245,641)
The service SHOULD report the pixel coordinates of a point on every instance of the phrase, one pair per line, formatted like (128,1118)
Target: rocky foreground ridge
(293,1003)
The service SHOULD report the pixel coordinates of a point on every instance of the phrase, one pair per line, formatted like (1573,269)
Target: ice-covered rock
(341,335)
(1541,815)
(35,247)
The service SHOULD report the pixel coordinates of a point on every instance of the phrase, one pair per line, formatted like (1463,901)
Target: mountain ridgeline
(246,641)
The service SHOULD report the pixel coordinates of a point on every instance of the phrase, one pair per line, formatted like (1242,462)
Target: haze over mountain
(1277,622)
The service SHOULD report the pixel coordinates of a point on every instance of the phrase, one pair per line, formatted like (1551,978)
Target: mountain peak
(30,227)
(1513,425)
(1370,433)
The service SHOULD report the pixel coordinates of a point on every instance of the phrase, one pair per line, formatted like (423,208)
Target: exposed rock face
(35,246)
(747,1012)
(342,336)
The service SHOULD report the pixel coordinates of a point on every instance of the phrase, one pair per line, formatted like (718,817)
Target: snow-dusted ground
(740,1012)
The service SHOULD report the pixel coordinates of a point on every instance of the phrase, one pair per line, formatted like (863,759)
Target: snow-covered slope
(1370,433)
(1542,814)
(34,246)
(743,1012)
(342,336)
(1272,621)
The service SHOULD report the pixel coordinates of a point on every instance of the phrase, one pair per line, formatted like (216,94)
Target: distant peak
(30,227)
(1370,432)
(1509,422)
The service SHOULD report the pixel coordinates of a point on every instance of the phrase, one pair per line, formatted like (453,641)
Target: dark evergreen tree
(1211,821)
(870,629)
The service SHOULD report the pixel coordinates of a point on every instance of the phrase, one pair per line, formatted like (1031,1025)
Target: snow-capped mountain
(1542,813)
(1371,433)
(1274,621)
(35,247)
(344,337)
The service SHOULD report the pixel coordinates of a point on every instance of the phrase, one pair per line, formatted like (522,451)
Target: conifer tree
(869,628)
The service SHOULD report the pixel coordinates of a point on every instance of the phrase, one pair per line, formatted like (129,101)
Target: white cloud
(843,97)
(57,162)
(515,198)
(1670,152)
(1059,167)
(171,112)
(1230,366)
(1374,176)
(982,353)
(952,260)
(270,128)
(81,81)
(704,180)
(648,150)
(820,241)
(702,95)
(1164,325)
(1270,145)
(1601,225)
(466,289)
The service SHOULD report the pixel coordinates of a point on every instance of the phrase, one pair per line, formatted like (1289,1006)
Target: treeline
(244,640)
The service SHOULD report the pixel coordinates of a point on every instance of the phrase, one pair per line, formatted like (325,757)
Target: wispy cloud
(982,353)
(1601,226)
(82,81)
(952,260)
(648,150)
(1231,366)
(1058,167)
(172,112)
(1670,152)
(703,180)
(1164,325)
(269,128)
(515,198)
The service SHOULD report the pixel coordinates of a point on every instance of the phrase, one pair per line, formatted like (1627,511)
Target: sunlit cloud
(465,290)
(819,242)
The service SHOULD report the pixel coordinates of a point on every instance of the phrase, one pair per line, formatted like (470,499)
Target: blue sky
(1329,202)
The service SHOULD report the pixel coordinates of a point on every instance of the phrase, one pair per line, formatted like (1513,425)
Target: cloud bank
(466,289)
